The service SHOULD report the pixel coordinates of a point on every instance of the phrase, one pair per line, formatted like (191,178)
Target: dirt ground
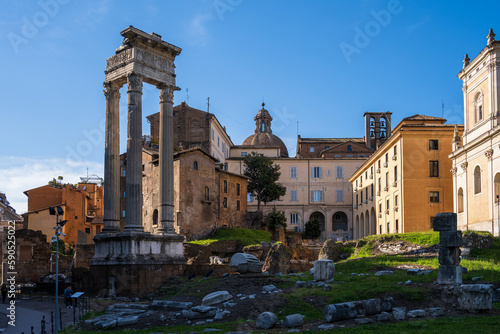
(248,309)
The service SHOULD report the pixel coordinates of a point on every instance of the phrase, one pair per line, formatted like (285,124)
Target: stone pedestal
(450,241)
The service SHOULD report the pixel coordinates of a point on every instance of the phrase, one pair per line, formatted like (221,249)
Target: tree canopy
(263,179)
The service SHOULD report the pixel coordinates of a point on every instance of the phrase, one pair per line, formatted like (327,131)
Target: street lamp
(55,238)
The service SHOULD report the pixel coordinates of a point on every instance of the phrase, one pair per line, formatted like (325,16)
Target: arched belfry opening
(377,128)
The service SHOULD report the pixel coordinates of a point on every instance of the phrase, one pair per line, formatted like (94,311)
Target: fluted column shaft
(133,198)
(166,158)
(112,159)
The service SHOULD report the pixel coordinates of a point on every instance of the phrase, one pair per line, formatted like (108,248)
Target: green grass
(245,236)
(492,253)
(445,325)
(298,305)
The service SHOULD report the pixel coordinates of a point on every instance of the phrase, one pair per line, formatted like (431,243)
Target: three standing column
(112,159)
(166,157)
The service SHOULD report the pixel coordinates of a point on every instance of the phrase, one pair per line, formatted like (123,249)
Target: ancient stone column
(112,159)
(166,157)
(133,198)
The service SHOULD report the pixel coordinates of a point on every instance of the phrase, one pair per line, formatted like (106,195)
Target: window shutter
(321,195)
(312,172)
(321,172)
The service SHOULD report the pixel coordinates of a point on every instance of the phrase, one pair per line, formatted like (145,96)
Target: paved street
(29,313)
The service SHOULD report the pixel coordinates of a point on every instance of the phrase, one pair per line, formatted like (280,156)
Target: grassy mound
(245,236)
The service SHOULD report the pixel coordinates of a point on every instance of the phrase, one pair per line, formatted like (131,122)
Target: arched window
(477,180)
(382,122)
(460,200)
(478,107)
(207,193)
(497,187)
(155,217)
(195,165)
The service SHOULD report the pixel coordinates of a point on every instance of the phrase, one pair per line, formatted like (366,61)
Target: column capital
(166,93)
(134,82)
(111,90)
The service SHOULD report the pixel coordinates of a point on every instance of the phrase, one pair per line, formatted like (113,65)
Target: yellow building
(406,182)
(476,159)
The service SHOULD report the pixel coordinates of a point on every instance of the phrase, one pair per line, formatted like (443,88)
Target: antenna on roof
(297,128)
(442,108)
(187,95)
(208,104)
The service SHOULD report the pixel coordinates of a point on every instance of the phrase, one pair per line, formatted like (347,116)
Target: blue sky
(319,63)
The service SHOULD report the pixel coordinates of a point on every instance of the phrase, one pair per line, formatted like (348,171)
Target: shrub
(313,229)
(274,219)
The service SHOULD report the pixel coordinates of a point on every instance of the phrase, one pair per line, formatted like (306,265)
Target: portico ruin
(141,58)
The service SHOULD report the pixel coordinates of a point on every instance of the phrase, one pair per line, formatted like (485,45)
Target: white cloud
(18,174)
(197,28)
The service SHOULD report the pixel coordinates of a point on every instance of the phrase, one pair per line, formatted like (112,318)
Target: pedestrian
(4,293)
(67,296)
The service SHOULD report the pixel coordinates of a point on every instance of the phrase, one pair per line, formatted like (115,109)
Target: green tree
(313,229)
(274,219)
(263,175)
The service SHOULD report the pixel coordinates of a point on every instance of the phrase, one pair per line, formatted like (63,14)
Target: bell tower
(377,128)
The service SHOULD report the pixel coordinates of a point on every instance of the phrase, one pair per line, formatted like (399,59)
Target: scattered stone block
(436,312)
(327,287)
(399,313)
(269,288)
(170,305)
(477,278)
(245,263)
(301,284)
(229,304)
(417,314)
(496,296)
(324,270)
(199,312)
(326,327)
(384,272)
(408,282)
(215,260)
(311,271)
(211,330)
(277,260)
(216,298)
(363,321)
(266,320)
(127,321)
(450,239)
(293,320)
(221,314)
(384,316)
(413,272)
(475,297)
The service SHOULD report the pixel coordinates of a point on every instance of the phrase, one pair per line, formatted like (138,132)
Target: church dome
(263,136)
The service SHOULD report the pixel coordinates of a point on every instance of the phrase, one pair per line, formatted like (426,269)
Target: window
(238,205)
(311,149)
(195,165)
(293,195)
(434,196)
(395,149)
(238,187)
(224,203)
(249,197)
(225,186)
(207,193)
(349,156)
(378,164)
(433,145)
(361,196)
(387,205)
(124,194)
(386,157)
(327,147)
(218,141)
(317,196)
(155,217)
(380,207)
(357,202)
(371,170)
(223,147)
(293,172)
(87,230)
(243,154)
(396,200)
(123,172)
(98,229)
(432,222)
(366,194)
(371,190)
(388,228)
(395,173)
(478,107)
(328,173)
(213,134)
(434,168)
(460,201)
(477,180)
(263,127)
(316,172)
(379,184)
(349,148)
(387,179)
(294,218)
(397,226)
(340,195)
(337,155)
(339,172)
(380,229)
(123,213)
